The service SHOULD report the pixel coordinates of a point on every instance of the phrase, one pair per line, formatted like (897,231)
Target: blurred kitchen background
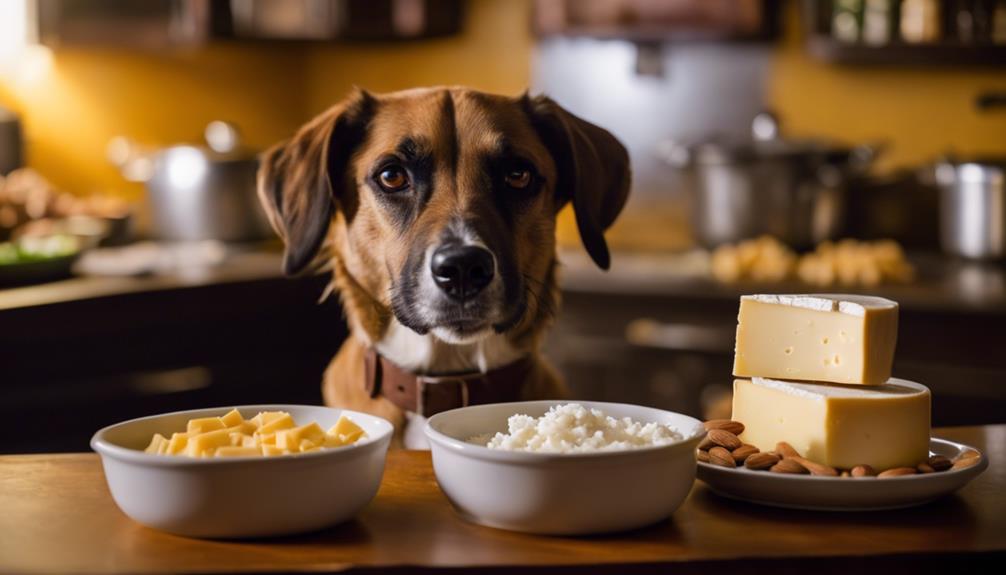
(778,146)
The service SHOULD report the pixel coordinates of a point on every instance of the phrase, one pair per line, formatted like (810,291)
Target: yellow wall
(72,107)
(920,112)
(493,54)
(87,97)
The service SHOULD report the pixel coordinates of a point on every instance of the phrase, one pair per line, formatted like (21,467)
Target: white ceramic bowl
(242,496)
(561,494)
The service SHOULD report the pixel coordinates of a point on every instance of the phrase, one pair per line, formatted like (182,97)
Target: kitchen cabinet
(87,352)
(173,23)
(961,34)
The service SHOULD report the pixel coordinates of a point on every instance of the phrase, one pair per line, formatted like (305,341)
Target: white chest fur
(429,354)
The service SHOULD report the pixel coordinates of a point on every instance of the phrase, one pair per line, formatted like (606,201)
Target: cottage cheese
(573,428)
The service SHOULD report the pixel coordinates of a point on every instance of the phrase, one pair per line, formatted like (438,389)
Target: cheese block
(819,337)
(842,426)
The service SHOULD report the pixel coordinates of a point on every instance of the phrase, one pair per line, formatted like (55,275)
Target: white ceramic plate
(842,493)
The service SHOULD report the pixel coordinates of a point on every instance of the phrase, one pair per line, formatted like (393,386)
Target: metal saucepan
(791,189)
(197,192)
(973,207)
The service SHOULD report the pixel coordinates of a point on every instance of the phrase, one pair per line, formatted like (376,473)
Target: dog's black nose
(462,271)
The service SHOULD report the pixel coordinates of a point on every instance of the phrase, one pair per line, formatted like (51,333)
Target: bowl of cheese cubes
(246,471)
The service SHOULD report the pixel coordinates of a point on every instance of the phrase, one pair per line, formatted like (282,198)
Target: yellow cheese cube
(333,440)
(834,338)
(232,418)
(346,430)
(283,421)
(271,450)
(307,445)
(177,443)
(838,425)
(204,424)
(158,444)
(265,417)
(291,438)
(207,442)
(237,451)
(266,438)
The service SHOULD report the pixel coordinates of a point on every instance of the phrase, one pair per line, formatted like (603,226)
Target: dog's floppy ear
(593,169)
(301,180)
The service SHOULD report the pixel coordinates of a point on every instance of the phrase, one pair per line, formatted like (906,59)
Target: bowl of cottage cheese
(564,468)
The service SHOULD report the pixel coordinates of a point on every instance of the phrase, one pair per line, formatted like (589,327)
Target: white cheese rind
(852,304)
(892,388)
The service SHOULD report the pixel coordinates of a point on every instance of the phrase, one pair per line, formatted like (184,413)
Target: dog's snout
(462,271)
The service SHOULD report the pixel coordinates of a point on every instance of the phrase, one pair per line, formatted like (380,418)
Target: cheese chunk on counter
(842,426)
(822,337)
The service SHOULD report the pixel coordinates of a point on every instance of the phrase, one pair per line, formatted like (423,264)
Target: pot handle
(864,155)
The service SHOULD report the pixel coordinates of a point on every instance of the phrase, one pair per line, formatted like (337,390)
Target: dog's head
(441,203)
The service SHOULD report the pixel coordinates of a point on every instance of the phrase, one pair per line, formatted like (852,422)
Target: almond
(940,463)
(743,452)
(790,466)
(786,450)
(816,468)
(760,461)
(965,463)
(720,456)
(968,454)
(724,439)
(863,471)
(702,456)
(924,468)
(706,443)
(734,427)
(897,472)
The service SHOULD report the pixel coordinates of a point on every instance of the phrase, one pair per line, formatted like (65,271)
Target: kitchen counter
(59,518)
(942,283)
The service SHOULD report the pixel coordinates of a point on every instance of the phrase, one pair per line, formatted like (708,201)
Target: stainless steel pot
(791,189)
(973,208)
(197,192)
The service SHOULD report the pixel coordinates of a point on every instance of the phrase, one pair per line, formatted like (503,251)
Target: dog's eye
(518,179)
(393,179)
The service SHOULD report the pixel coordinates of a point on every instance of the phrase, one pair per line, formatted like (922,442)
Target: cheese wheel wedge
(842,426)
(818,337)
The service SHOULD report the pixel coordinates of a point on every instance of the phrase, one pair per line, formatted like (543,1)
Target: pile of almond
(723,447)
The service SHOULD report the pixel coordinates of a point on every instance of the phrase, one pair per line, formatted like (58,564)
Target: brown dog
(435,210)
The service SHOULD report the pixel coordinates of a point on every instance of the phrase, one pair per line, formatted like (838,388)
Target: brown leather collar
(428,395)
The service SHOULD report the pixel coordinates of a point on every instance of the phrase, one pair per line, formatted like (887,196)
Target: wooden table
(56,516)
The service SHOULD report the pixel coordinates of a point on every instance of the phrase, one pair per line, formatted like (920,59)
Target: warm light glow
(185,167)
(21,60)
(13,32)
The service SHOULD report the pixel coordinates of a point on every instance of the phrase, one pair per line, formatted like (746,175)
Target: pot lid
(975,170)
(765,142)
